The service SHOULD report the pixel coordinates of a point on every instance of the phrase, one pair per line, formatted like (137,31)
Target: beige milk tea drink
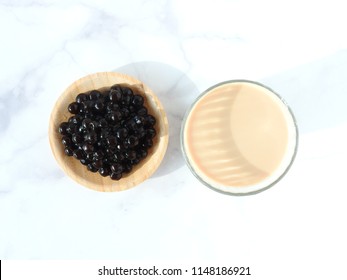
(239,137)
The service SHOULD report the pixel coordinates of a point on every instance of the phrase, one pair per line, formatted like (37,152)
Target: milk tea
(237,135)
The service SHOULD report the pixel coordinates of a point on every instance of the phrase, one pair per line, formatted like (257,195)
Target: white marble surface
(179,48)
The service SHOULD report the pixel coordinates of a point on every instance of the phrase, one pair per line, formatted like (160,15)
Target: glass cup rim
(205,92)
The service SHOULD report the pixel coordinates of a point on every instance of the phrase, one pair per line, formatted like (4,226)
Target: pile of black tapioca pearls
(109,131)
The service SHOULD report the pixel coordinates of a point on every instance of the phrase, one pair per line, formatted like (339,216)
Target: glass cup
(239,137)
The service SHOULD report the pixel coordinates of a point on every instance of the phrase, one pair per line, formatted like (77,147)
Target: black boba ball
(139,120)
(115,95)
(127,167)
(99,154)
(86,123)
(116,168)
(122,133)
(62,128)
(150,121)
(111,141)
(77,119)
(85,161)
(99,106)
(125,113)
(77,138)
(150,132)
(94,95)
(98,163)
(114,117)
(88,148)
(116,176)
(91,168)
(131,124)
(132,141)
(91,137)
(147,143)
(130,154)
(74,107)
(142,111)
(142,153)
(66,140)
(102,123)
(138,100)
(81,97)
(71,128)
(68,151)
(78,154)
(118,157)
(104,171)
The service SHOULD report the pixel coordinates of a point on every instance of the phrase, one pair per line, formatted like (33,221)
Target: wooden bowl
(78,172)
